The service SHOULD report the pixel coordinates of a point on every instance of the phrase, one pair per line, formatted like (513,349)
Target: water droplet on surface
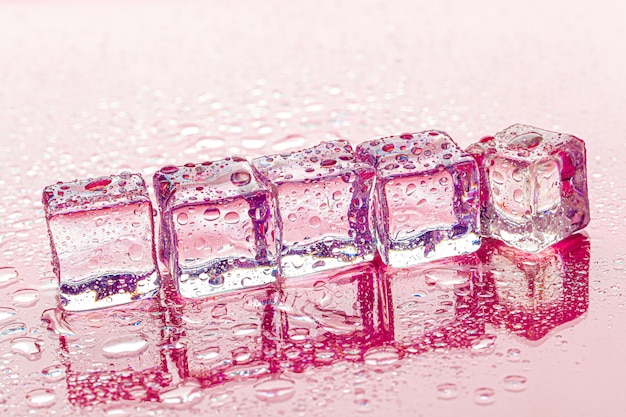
(183,396)
(25,297)
(513,354)
(182,219)
(27,346)
(231,217)
(240,178)
(484,396)
(8,275)
(382,359)
(211,214)
(53,373)
(6,313)
(447,391)
(135,252)
(515,383)
(40,398)
(315,221)
(275,390)
(125,346)
(484,345)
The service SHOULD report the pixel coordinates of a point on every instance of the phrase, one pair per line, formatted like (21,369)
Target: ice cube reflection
(114,354)
(370,315)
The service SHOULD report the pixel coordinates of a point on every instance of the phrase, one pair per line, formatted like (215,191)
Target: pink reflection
(434,305)
(329,318)
(114,354)
(121,353)
(225,338)
(531,294)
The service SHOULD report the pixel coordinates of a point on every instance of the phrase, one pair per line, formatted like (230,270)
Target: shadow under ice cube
(323,199)
(426,197)
(101,234)
(218,230)
(534,186)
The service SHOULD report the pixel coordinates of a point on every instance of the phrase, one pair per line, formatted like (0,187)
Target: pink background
(95,89)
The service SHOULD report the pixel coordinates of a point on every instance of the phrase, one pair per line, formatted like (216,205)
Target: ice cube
(533,186)
(323,199)
(218,230)
(101,233)
(426,197)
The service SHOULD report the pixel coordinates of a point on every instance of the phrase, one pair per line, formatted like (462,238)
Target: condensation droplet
(514,383)
(211,214)
(447,391)
(40,398)
(8,276)
(240,178)
(182,218)
(135,252)
(231,217)
(25,297)
(275,390)
(484,396)
(125,346)
(315,221)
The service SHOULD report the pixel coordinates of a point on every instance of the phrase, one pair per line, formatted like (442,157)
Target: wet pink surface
(89,90)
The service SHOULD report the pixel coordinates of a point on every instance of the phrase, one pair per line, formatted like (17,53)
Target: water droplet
(231,217)
(211,214)
(182,218)
(40,398)
(244,329)
(53,373)
(240,178)
(518,195)
(27,346)
(135,252)
(515,383)
(25,297)
(484,345)
(125,346)
(525,141)
(315,221)
(292,217)
(513,354)
(275,390)
(447,391)
(97,185)
(6,313)
(183,396)
(8,276)
(383,359)
(484,396)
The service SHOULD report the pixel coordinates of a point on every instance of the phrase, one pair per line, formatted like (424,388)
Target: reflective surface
(99,89)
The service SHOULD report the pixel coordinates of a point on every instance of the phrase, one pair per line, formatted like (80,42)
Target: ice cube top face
(101,234)
(426,197)
(323,199)
(534,190)
(218,230)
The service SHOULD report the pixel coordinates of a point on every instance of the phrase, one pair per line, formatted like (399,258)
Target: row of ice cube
(231,224)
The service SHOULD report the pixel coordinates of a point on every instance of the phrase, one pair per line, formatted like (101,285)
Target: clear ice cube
(101,234)
(323,199)
(426,197)
(218,226)
(533,186)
